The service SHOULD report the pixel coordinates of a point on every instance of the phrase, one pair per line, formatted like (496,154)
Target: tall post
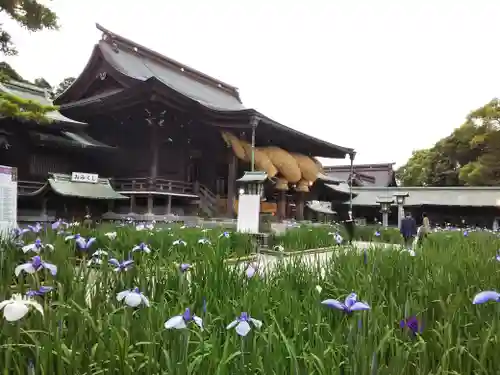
(281,205)
(401,213)
(132,198)
(253,122)
(154,123)
(400,201)
(385,219)
(231,184)
(351,175)
(169,204)
(385,209)
(299,206)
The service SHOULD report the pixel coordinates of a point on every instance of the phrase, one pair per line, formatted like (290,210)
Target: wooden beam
(231,183)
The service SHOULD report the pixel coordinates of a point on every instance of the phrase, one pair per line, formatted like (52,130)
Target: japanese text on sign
(85,177)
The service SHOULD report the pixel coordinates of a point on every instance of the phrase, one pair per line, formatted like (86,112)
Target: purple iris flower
(142,247)
(412,324)
(466,233)
(488,295)
(40,292)
(84,244)
(35,228)
(37,246)
(377,234)
(18,232)
(35,265)
(181,321)
(183,267)
(121,266)
(242,324)
(56,224)
(350,304)
(497,257)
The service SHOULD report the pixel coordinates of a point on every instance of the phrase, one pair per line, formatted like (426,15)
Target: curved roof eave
(83,78)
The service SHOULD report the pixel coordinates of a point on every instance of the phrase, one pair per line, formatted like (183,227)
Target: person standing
(349,227)
(408,230)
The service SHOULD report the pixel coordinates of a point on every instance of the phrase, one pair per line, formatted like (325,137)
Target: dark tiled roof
(432,196)
(141,63)
(365,174)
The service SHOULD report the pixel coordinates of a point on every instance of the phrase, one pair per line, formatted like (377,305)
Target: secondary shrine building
(153,137)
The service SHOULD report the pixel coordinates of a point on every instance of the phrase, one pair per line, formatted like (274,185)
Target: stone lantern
(400,201)
(385,209)
(250,195)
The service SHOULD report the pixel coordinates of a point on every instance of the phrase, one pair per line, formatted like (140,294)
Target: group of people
(412,234)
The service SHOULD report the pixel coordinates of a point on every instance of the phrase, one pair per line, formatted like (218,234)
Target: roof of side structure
(463,196)
(38,95)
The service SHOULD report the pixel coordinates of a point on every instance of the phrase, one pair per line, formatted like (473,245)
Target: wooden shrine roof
(143,74)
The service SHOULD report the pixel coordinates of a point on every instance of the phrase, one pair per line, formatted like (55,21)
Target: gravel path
(268,262)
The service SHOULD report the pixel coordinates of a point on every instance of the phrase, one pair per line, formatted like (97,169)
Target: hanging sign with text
(84,177)
(8,199)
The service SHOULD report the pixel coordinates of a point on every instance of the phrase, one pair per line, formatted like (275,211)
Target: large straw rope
(281,184)
(302,186)
(262,161)
(307,166)
(235,143)
(284,162)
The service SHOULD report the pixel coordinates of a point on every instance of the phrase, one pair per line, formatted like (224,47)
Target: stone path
(268,262)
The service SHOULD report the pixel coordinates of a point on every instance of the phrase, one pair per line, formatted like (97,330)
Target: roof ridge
(28,86)
(140,48)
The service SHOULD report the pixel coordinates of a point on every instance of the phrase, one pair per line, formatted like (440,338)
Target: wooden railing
(155,185)
(208,199)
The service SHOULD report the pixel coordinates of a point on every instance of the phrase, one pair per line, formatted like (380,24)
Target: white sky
(382,76)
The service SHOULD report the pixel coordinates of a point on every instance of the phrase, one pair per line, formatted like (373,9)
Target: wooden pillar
(169,205)
(150,204)
(231,184)
(281,205)
(111,205)
(132,198)
(155,151)
(299,205)
(44,208)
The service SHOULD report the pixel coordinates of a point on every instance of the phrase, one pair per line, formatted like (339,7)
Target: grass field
(85,329)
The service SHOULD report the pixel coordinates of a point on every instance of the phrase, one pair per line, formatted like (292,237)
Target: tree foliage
(34,16)
(22,109)
(7,73)
(42,82)
(469,156)
(30,14)
(66,82)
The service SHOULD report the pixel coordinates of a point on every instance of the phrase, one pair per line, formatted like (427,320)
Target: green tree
(8,73)
(470,155)
(30,14)
(416,170)
(33,16)
(66,82)
(42,82)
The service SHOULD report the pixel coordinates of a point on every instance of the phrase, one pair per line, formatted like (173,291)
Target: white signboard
(85,177)
(248,213)
(8,199)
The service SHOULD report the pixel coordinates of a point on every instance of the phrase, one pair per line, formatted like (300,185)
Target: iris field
(165,300)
